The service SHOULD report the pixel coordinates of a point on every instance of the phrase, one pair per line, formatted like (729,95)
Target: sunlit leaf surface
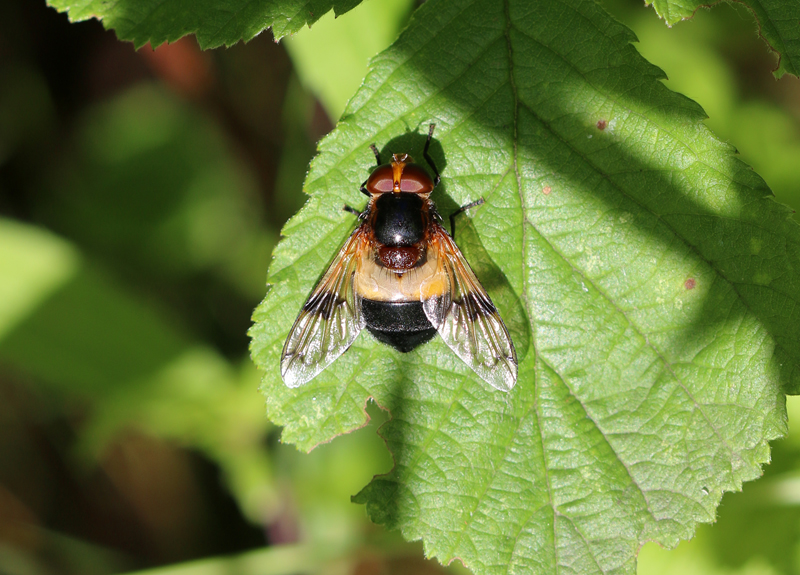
(646,275)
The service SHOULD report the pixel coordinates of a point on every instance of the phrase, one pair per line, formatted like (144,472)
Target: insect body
(401,276)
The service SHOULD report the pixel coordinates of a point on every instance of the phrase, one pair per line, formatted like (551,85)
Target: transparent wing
(329,321)
(467,320)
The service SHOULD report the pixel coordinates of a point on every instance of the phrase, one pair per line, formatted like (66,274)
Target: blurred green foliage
(141,194)
(318,55)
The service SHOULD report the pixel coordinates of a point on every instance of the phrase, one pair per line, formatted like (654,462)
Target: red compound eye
(380,180)
(415,180)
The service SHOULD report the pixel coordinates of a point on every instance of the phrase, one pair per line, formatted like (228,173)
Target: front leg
(477,202)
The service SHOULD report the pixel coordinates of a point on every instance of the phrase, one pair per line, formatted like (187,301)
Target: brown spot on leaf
(601,124)
(690,283)
(546,190)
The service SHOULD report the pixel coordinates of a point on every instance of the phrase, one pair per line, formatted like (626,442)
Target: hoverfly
(401,276)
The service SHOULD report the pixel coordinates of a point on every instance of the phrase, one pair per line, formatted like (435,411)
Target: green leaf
(274,560)
(646,275)
(215,22)
(33,266)
(778,23)
(64,322)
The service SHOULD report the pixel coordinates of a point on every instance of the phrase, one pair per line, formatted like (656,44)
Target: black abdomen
(399,220)
(403,325)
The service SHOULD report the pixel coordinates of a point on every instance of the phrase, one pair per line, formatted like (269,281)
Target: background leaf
(215,23)
(332,60)
(639,265)
(778,23)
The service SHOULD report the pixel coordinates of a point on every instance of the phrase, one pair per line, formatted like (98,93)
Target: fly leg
(477,202)
(353,211)
(428,158)
(375,151)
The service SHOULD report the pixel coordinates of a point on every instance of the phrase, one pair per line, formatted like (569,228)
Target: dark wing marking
(467,320)
(329,321)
